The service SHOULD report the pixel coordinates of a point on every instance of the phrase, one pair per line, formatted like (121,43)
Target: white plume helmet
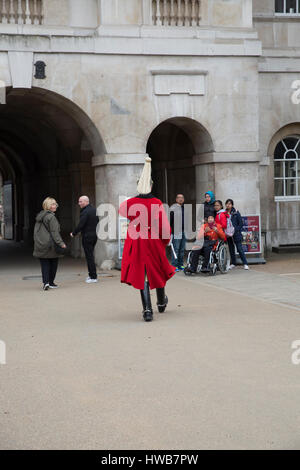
(145,181)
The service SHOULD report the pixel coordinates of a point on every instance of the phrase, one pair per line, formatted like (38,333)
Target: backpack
(229,230)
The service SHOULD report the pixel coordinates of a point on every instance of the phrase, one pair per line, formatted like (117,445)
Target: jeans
(49,268)
(232,244)
(179,247)
(89,242)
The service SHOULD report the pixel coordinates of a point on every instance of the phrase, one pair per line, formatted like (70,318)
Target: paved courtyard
(83,371)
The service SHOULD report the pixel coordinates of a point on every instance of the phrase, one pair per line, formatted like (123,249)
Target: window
(287,168)
(287,7)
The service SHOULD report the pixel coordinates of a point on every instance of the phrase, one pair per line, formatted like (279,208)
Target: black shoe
(148,315)
(46,287)
(53,286)
(146,301)
(162,300)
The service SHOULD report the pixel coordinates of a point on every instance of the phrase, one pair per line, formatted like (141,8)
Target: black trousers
(89,242)
(232,244)
(49,269)
(205,251)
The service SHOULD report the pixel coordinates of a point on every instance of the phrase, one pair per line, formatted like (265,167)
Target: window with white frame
(287,7)
(287,168)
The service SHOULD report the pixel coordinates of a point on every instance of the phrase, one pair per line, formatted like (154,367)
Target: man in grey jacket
(178,235)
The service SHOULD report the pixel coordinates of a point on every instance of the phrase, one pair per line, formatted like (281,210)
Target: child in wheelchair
(211,232)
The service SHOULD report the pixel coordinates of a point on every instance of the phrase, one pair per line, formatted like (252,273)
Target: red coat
(212,234)
(221,219)
(145,244)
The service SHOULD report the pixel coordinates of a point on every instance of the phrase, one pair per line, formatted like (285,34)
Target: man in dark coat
(87,226)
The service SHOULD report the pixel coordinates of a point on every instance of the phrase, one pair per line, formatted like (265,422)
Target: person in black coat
(209,208)
(87,226)
(235,240)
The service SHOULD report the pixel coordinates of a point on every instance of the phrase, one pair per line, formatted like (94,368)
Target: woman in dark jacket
(209,205)
(46,235)
(236,239)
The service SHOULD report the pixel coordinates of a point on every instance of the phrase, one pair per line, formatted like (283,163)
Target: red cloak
(148,235)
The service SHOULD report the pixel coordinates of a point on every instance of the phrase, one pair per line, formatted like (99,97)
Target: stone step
(286,249)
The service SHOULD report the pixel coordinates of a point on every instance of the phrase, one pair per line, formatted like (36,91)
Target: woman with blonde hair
(48,244)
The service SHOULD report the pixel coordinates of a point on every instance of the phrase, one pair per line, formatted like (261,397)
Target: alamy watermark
(296,354)
(296,94)
(2,353)
(152,223)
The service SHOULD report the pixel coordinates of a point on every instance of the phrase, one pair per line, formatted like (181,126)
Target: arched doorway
(173,146)
(46,146)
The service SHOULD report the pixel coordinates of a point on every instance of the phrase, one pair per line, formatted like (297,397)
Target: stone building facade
(89,87)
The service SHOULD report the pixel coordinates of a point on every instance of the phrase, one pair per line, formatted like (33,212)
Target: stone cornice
(226,157)
(119,159)
(130,46)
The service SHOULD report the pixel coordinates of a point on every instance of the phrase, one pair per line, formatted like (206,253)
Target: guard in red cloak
(144,263)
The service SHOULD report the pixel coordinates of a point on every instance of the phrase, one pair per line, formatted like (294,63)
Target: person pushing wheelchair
(211,232)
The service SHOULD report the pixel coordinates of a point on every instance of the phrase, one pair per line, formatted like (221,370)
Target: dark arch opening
(46,147)
(172,146)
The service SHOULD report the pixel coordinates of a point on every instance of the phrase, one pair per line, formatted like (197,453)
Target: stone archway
(46,147)
(176,147)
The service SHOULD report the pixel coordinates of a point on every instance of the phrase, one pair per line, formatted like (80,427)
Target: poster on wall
(251,233)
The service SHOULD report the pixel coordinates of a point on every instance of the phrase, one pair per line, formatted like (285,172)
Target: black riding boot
(146,301)
(162,299)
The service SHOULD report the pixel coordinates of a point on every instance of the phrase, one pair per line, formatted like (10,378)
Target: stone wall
(119,87)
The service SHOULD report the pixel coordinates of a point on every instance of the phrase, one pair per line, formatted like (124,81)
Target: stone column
(116,176)
(232,175)
(205,176)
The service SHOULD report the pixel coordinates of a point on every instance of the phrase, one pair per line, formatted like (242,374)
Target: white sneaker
(231,266)
(91,281)
(87,278)
(246,267)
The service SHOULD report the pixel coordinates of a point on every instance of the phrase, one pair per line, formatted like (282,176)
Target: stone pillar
(232,175)
(116,176)
(205,177)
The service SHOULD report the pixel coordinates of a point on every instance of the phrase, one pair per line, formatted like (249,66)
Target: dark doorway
(46,147)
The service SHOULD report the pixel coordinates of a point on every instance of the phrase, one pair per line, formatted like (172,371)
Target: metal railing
(21,12)
(176,12)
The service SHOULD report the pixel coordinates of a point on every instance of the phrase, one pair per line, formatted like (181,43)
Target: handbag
(58,249)
(229,230)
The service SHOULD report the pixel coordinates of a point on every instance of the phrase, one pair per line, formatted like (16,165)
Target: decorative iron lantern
(40,67)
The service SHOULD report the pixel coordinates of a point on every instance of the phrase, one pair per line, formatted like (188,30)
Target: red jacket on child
(212,234)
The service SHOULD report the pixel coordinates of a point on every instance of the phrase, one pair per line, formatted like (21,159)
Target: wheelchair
(219,260)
